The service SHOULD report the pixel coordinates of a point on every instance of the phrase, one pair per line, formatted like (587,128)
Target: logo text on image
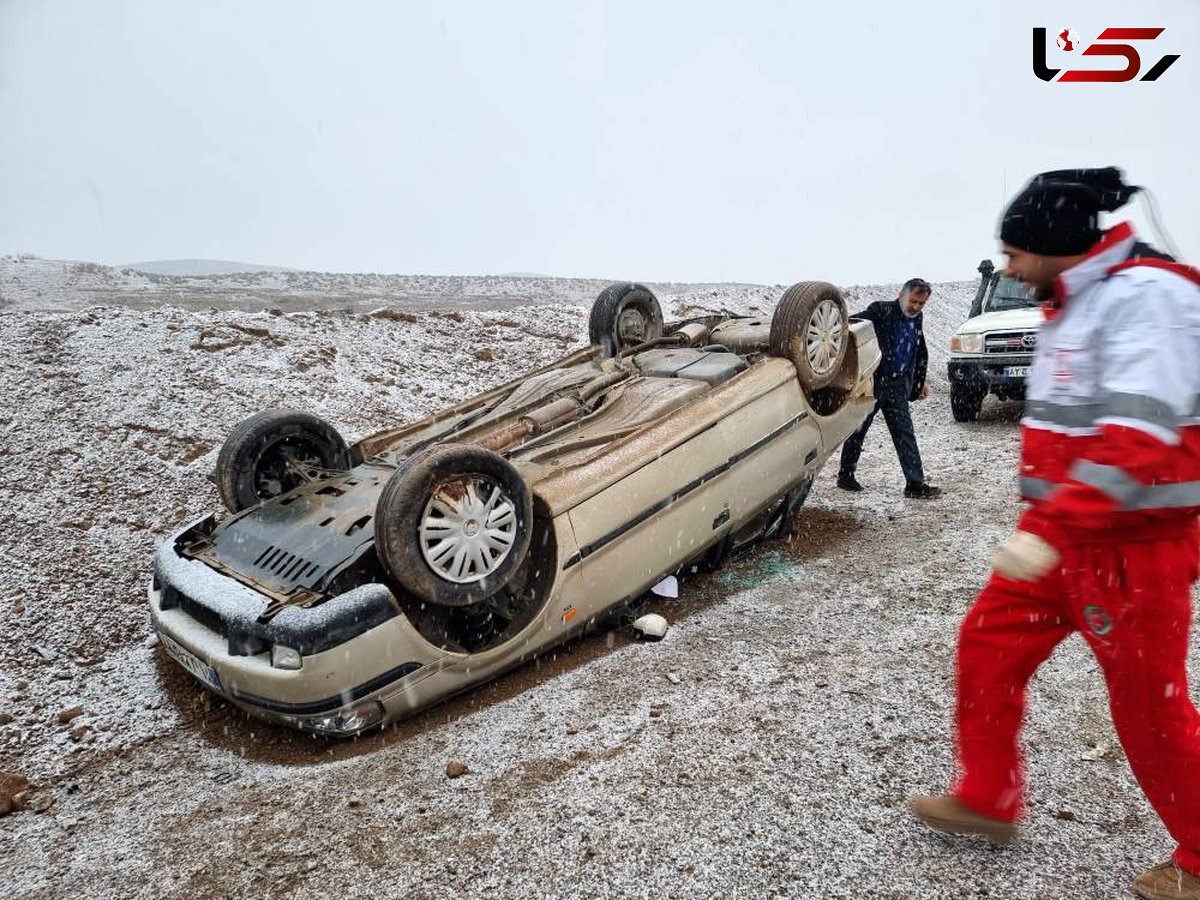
(1066,39)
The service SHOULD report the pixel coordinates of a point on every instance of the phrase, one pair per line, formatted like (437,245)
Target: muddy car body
(352,586)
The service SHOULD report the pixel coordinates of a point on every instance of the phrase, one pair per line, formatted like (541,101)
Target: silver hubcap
(468,529)
(823,341)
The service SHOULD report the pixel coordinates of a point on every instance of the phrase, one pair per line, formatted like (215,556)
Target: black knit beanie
(1057,213)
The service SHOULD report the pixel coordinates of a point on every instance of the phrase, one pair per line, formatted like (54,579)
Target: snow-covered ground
(765,748)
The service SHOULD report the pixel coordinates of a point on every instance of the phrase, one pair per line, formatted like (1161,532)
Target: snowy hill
(200,267)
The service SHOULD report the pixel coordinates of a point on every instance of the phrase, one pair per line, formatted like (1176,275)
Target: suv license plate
(191,662)
(1016,371)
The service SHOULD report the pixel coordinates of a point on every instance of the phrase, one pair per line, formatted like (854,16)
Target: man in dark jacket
(899,379)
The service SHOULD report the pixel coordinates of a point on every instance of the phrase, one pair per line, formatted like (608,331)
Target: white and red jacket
(1110,442)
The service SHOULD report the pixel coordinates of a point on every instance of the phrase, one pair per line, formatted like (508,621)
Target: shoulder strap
(1142,254)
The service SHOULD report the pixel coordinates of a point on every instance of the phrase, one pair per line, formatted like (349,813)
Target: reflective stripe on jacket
(1110,441)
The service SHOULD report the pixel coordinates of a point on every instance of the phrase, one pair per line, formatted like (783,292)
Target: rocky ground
(764,748)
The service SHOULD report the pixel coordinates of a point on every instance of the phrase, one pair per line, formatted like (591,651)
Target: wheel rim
(823,340)
(285,465)
(468,529)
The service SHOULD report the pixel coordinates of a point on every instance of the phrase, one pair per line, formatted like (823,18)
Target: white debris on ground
(765,747)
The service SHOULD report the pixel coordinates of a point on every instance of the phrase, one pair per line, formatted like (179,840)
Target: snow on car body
(355,585)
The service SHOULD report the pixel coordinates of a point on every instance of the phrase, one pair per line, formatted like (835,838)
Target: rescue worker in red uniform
(1108,544)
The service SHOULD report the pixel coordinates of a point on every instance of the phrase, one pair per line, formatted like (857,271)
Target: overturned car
(350,586)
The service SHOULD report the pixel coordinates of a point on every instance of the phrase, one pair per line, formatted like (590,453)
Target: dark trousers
(891,396)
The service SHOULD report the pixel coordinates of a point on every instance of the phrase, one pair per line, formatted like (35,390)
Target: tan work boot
(947,814)
(1167,881)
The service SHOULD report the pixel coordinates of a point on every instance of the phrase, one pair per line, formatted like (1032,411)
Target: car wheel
(453,524)
(965,402)
(623,316)
(273,452)
(810,327)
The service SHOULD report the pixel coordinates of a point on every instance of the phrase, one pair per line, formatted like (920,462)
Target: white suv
(991,352)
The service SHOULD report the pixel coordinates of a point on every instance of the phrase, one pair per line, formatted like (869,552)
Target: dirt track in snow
(765,748)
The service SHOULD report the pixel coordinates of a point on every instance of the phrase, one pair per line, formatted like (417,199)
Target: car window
(1009,293)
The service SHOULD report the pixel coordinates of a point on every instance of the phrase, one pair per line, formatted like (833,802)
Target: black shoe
(848,483)
(922,491)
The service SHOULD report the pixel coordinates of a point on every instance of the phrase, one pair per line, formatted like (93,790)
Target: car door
(774,444)
(653,519)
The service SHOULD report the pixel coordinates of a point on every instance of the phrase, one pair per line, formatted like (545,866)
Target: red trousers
(1132,604)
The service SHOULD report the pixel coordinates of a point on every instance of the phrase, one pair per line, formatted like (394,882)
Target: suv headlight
(966,343)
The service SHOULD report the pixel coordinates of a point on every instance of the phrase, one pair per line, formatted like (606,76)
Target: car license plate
(189,661)
(1016,371)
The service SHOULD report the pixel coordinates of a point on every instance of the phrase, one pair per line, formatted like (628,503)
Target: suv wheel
(966,401)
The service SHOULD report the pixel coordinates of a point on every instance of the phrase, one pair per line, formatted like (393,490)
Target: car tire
(259,459)
(623,316)
(811,328)
(965,402)
(427,539)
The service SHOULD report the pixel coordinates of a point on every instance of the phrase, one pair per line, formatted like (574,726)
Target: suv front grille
(1010,342)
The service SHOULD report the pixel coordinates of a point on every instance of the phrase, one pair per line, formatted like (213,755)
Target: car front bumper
(991,371)
(203,617)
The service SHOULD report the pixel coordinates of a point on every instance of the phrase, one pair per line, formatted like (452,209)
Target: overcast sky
(757,141)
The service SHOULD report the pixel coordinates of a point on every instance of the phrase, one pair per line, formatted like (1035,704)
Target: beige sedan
(349,586)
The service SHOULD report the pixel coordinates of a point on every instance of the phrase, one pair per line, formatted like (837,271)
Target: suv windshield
(1009,293)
